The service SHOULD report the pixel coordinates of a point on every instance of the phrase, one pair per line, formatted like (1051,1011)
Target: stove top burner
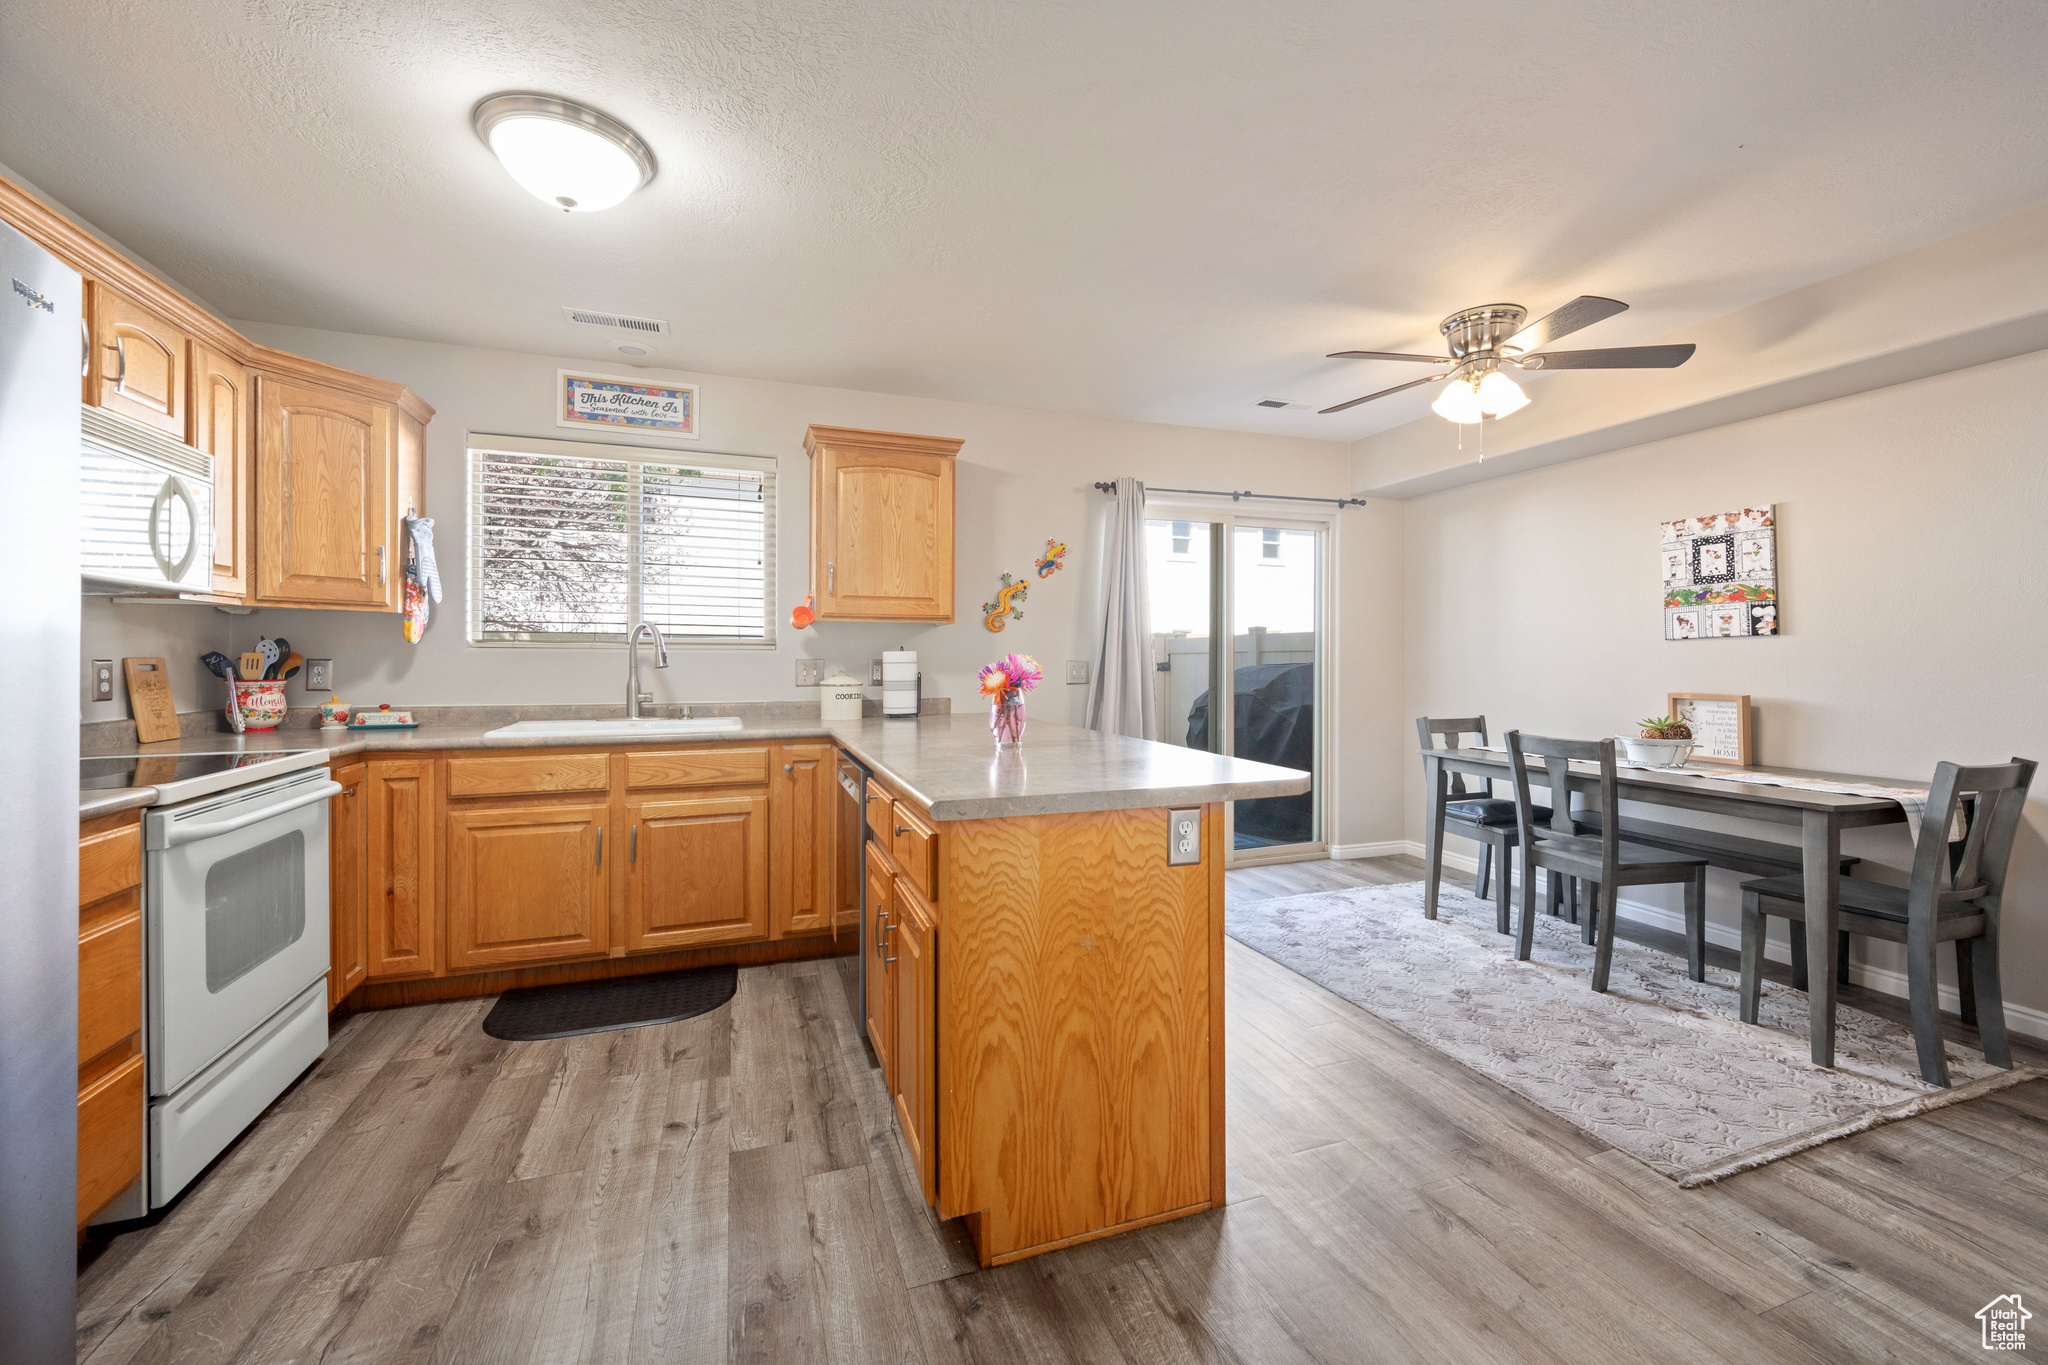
(110,772)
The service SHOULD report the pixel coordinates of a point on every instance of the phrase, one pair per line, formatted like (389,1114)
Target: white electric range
(237,948)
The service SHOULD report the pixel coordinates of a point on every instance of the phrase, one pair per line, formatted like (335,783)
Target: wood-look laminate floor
(731,1188)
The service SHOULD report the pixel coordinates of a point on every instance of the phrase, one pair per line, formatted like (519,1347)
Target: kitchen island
(1044,980)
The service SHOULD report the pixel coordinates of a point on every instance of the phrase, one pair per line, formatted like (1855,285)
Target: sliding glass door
(1259,584)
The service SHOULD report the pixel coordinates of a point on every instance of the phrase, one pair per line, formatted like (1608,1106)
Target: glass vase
(1006,720)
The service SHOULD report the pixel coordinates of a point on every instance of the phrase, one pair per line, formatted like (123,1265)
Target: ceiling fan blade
(1389,355)
(1381,394)
(1617,358)
(1583,311)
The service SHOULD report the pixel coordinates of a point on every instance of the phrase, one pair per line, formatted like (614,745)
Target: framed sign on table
(596,400)
(1719,722)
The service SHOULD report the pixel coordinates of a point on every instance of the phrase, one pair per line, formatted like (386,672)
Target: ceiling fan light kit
(1482,340)
(563,153)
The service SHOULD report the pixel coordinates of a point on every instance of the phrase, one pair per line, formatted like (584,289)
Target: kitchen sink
(613,729)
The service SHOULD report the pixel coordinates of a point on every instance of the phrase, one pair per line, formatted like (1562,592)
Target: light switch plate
(102,679)
(319,675)
(1077,672)
(810,672)
(1183,836)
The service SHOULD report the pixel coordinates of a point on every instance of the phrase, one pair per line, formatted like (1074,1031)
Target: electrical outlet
(875,672)
(1183,836)
(319,675)
(1077,672)
(810,672)
(102,679)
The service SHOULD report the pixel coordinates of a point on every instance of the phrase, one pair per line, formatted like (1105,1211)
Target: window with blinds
(573,543)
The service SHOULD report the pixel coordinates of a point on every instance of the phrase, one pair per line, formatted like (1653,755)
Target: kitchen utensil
(219,664)
(284,649)
(271,654)
(253,664)
(149,700)
(288,666)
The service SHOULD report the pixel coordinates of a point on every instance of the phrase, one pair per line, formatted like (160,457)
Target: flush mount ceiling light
(1484,339)
(563,153)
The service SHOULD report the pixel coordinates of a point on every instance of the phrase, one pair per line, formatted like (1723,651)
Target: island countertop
(946,762)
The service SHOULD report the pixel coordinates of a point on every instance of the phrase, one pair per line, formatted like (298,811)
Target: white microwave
(145,507)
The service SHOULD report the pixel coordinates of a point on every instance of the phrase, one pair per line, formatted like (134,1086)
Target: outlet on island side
(1183,836)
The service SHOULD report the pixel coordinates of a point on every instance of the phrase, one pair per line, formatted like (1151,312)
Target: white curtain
(1121,701)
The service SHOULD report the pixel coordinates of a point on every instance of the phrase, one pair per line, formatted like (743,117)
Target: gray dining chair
(1563,848)
(1954,895)
(1475,814)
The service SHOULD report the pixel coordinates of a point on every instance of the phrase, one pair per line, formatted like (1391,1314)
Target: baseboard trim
(2021,1019)
(1387,848)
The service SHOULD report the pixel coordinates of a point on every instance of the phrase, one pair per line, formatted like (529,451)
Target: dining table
(1819,816)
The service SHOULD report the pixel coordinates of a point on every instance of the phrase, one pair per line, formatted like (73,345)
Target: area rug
(1659,1067)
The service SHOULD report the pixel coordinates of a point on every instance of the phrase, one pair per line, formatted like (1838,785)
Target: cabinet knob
(903,829)
(789,767)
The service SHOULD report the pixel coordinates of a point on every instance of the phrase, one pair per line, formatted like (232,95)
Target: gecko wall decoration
(1010,593)
(1053,560)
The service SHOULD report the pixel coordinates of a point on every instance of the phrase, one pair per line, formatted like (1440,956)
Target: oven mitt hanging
(421,529)
(422,579)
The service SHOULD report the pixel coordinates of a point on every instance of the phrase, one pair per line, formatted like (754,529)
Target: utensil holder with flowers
(261,703)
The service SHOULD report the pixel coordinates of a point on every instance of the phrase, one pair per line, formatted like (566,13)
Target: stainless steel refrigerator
(41,351)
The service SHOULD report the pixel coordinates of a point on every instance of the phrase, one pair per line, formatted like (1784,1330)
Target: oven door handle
(212,829)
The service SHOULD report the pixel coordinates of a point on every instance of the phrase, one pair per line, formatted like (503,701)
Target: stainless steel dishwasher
(853,834)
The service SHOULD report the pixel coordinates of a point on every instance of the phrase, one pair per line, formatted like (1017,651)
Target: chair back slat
(1427,728)
(1557,756)
(1991,800)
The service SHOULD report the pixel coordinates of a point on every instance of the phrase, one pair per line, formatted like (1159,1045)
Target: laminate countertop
(948,763)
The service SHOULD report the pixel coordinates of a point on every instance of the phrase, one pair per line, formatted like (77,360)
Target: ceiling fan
(1483,340)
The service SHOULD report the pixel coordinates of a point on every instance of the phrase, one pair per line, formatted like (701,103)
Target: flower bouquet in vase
(1004,683)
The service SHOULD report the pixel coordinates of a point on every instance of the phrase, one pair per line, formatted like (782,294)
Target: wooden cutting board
(149,700)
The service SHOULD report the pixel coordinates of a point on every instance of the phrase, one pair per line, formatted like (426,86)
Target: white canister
(899,682)
(840,699)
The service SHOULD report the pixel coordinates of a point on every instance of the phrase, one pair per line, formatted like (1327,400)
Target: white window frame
(633,456)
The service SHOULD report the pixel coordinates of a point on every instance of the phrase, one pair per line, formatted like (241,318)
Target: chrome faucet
(635,698)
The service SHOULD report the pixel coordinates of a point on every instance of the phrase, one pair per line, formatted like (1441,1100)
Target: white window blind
(573,542)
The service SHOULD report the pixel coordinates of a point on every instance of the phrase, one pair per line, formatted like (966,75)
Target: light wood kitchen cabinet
(697,871)
(526,883)
(140,362)
(403,908)
(881,525)
(803,794)
(326,533)
(913,945)
(220,426)
(348,907)
(880,994)
(112,1097)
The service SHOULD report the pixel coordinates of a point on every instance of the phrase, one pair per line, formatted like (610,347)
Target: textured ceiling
(1156,210)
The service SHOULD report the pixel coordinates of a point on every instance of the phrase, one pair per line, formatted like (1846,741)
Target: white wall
(1910,535)
(1024,475)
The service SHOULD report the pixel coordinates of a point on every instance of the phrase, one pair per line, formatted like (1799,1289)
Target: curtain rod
(1235,495)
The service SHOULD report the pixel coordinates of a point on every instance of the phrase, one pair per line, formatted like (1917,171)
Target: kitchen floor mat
(532,1013)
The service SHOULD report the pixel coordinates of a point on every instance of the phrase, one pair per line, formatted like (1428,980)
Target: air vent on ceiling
(590,317)
(1273,403)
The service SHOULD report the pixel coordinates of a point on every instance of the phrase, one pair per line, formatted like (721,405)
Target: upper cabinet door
(139,363)
(325,526)
(881,525)
(220,427)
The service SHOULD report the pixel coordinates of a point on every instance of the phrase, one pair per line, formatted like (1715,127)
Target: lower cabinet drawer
(110,1117)
(697,767)
(528,774)
(110,981)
